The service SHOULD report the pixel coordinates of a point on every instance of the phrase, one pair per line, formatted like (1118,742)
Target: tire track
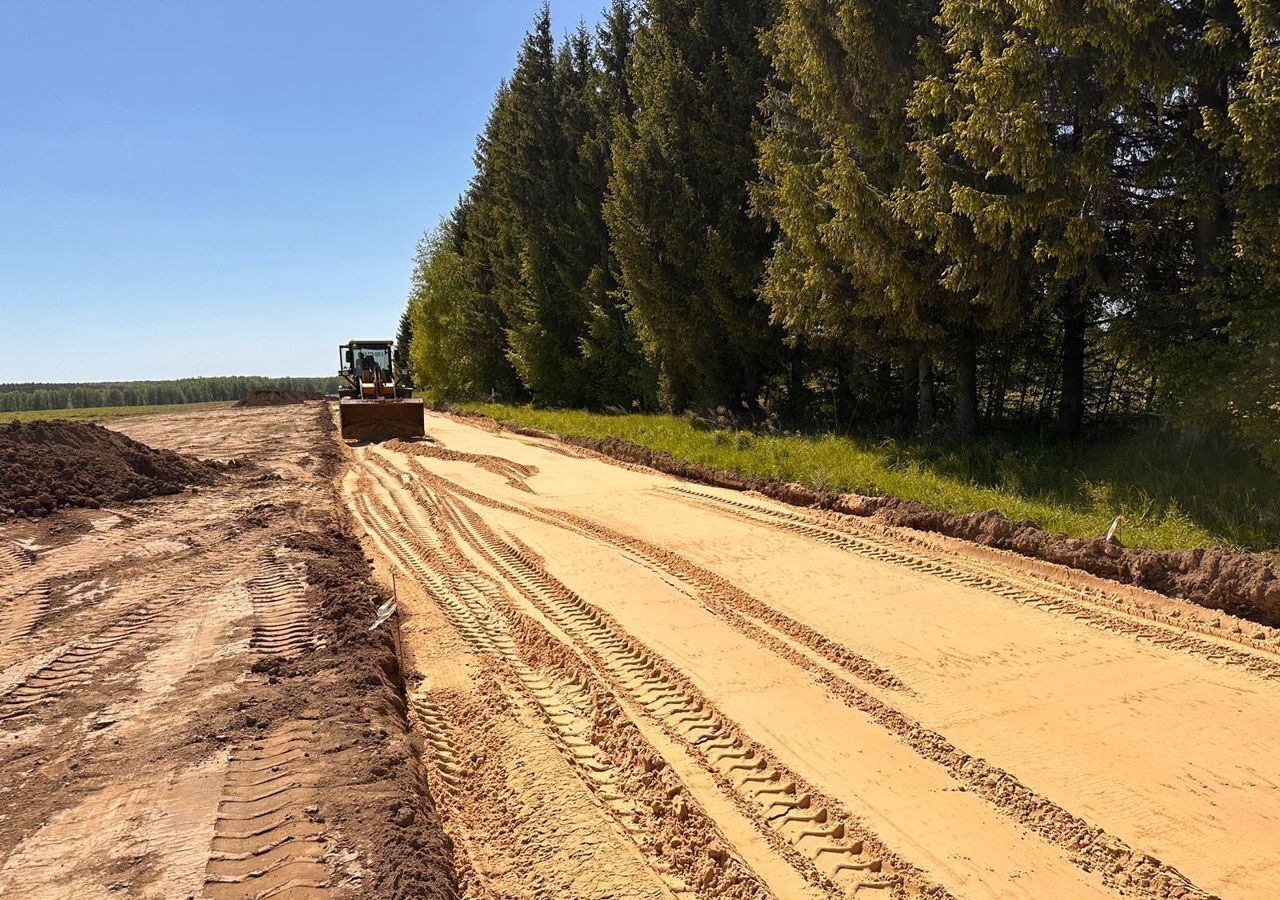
(281,617)
(76,665)
(1117,617)
(267,840)
(827,839)
(611,758)
(750,615)
(17,616)
(1091,847)
(442,746)
(14,557)
(514,473)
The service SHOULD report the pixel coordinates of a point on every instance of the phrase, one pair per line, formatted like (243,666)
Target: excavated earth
(57,464)
(191,701)
(602,681)
(1243,584)
(276,397)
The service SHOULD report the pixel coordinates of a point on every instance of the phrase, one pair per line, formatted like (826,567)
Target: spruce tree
(529,165)
(689,253)
(404,344)
(1021,139)
(615,367)
(846,271)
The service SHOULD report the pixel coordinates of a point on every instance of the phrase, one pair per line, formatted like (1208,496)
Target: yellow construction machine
(373,404)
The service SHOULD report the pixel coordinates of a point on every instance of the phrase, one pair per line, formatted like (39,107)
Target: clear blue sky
(230,187)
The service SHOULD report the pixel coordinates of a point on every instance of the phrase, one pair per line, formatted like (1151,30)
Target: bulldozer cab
(365,368)
(373,405)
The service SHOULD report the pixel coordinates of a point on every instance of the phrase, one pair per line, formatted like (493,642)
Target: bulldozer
(373,403)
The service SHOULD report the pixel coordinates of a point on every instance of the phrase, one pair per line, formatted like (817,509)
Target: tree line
(32,396)
(934,213)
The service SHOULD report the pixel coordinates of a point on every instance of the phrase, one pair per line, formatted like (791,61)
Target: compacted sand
(739,698)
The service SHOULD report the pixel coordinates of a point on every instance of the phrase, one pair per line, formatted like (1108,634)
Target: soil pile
(46,466)
(1243,584)
(277,397)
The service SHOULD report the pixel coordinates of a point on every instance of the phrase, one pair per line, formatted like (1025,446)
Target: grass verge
(108,412)
(1177,494)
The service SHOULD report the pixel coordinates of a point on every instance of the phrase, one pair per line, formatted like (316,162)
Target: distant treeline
(933,214)
(21,397)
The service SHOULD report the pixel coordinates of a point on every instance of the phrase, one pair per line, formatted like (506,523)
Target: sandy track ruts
(267,842)
(18,612)
(77,663)
(281,622)
(13,557)
(570,708)
(828,842)
(514,473)
(1178,655)
(1108,612)
(1120,863)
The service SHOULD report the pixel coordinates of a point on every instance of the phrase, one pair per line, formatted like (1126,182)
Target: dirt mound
(277,397)
(1242,584)
(56,464)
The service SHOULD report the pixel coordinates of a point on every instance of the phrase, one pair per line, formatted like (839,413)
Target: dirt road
(630,686)
(605,683)
(190,702)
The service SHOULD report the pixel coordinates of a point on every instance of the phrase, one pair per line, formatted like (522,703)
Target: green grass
(107,412)
(1176,494)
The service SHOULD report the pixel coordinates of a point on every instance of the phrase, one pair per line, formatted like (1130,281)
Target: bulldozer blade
(379,420)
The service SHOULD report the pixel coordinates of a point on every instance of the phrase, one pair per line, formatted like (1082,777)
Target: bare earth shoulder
(191,704)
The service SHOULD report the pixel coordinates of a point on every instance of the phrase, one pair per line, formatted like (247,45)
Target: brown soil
(601,682)
(191,700)
(54,465)
(277,397)
(1242,584)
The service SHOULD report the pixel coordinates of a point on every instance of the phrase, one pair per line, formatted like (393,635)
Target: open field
(110,412)
(602,682)
(1175,496)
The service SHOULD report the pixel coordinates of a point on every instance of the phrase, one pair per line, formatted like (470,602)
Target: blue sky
(228,187)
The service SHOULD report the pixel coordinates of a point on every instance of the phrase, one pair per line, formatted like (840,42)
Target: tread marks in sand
(266,843)
(75,665)
(1105,613)
(1089,845)
(613,760)
(281,621)
(811,829)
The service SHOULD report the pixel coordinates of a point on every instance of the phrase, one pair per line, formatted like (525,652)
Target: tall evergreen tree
(529,166)
(404,345)
(1022,132)
(690,255)
(846,270)
(1224,357)
(616,369)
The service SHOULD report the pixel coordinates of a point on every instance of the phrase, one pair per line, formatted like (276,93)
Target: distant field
(1176,496)
(108,412)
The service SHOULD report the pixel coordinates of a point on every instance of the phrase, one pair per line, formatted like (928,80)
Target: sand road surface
(631,686)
